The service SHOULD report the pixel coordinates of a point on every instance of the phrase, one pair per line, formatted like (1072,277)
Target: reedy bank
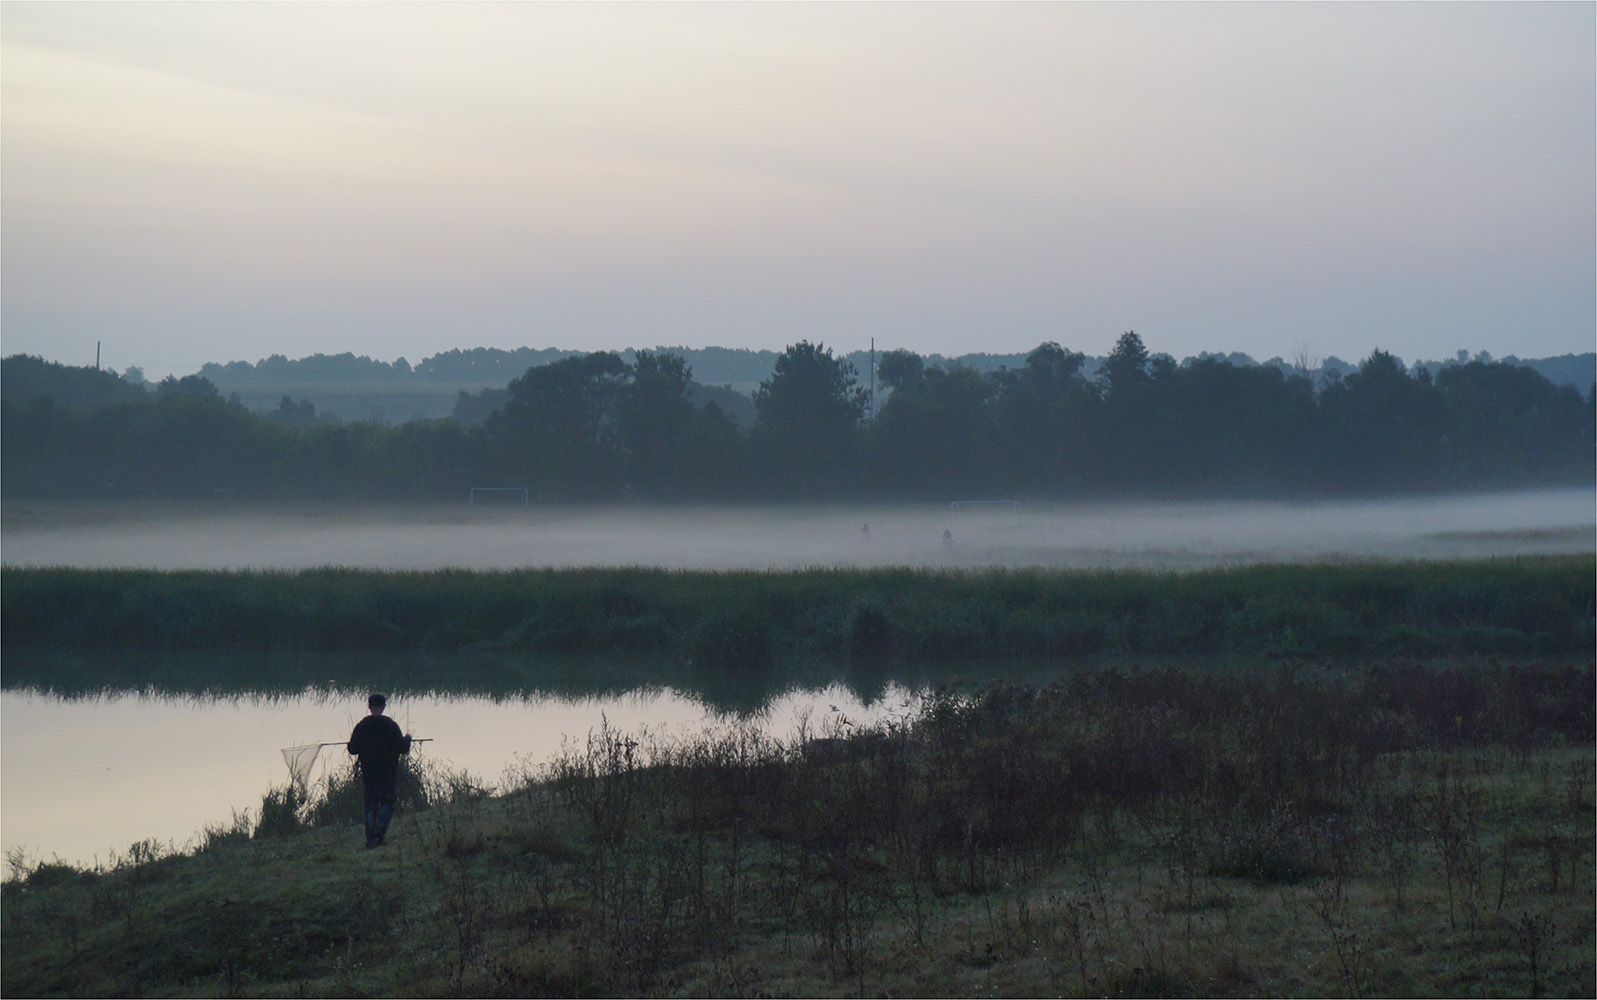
(743,620)
(1387,828)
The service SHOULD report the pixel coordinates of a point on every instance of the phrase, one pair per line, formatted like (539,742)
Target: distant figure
(378,744)
(864,532)
(948,537)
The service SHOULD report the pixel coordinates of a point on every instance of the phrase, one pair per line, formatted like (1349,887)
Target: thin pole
(96,355)
(873,378)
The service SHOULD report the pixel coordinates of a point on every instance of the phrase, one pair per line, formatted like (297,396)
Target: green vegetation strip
(1523,606)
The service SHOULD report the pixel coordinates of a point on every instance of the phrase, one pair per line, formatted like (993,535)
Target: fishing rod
(344,743)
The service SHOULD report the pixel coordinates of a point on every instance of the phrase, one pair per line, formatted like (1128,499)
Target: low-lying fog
(1151,535)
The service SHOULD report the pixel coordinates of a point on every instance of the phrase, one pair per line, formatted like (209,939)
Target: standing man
(379,744)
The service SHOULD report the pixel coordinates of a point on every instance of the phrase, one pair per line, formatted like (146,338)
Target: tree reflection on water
(106,748)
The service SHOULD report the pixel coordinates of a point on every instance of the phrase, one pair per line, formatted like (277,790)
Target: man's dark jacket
(379,744)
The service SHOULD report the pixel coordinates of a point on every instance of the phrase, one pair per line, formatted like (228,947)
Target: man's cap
(376,701)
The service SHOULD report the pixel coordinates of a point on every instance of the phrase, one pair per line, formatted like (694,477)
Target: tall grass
(337,799)
(1396,828)
(743,620)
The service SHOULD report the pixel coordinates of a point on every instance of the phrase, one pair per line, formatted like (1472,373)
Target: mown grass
(1395,827)
(739,620)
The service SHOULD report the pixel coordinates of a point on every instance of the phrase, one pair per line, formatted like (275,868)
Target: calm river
(85,777)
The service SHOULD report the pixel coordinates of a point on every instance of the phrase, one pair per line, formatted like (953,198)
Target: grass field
(1395,829)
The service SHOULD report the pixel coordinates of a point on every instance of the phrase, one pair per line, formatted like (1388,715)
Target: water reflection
(75,674)
(88,772)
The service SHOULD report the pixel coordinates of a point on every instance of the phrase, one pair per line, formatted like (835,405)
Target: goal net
(1006,506)
(498,495)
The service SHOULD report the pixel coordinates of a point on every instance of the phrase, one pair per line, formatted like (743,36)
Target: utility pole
(97,355)
(873,378)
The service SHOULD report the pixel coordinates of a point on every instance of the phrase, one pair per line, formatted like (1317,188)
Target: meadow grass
(744,620)
(1393,827)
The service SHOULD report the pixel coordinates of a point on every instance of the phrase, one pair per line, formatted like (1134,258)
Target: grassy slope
(1396,829)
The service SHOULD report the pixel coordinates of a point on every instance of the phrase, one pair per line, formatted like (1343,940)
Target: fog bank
(1098,535)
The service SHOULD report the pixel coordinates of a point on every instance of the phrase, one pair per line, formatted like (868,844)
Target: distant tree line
(493,367)
(595,427)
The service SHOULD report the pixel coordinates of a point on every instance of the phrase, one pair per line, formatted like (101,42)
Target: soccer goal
(1007,506)
(483,495)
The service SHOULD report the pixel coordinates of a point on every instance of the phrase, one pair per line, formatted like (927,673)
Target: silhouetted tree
(902,370)
(474,408)
(1508,424)
(555,433)
(1125,445)
(1228,427)
(189,385)
(1125,371)
(651,415)
(583,426)
(1381,428)
(940,440)
(1044,409)
(714,455)
(294,414)
(806,415)
(24,378)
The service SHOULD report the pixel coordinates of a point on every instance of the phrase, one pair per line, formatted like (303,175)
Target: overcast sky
(192,183)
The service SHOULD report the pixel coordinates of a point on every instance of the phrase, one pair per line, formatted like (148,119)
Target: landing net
(300,760)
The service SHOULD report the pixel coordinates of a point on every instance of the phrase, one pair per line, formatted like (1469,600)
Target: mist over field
(1092,535)
(716,691)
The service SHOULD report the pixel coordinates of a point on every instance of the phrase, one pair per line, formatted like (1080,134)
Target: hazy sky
(212,182)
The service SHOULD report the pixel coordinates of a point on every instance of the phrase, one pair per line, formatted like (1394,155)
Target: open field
(1387,828)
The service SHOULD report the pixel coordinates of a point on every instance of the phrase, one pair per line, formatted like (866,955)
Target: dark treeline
(494,367)
(595,427)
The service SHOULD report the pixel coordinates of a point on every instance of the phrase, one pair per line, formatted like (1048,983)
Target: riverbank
(746,620)
(1391,827)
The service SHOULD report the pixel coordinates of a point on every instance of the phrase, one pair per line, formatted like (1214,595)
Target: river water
(87,774)
(85,777)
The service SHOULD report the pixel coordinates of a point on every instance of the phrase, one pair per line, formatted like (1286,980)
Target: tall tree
(1510,424)
(1126,444)
(24,378)
(651,416)
(714,455)
(806,415)
(939,441)
(1125,370)
(1044,408)
(901,371)
(1227,427)
(555,433)
(1382,428)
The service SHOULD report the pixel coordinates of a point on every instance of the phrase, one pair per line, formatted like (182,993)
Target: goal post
(1008,506)
(507,494)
